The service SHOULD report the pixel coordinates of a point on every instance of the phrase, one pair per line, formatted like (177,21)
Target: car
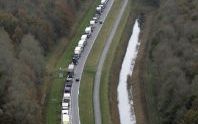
(100,22)
(77,79)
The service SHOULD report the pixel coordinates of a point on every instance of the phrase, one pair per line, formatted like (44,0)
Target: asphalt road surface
(75,119)
(96,95)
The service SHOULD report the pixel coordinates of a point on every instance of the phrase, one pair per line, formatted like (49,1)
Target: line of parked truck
(66,100)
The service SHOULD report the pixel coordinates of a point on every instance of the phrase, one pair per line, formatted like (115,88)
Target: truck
(70,72)
(95,18)
(102,7)
(66,112)
(77,52)
(104,2)
(66,96)
(65,106)
(88,31)
(92,23)
(98,10)
(84,37)
(76,55)
(65,119)
(75,60)
(66,101)
(67,89)
(82,43)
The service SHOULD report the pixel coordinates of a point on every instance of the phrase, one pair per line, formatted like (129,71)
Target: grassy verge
(104,84)
(53,106)
(86,87)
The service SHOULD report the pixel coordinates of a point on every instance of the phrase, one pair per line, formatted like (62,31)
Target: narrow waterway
(126,111)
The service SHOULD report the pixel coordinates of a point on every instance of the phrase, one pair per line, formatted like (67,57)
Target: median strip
(86,87)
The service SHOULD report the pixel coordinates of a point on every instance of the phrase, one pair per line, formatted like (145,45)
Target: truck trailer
(65,119)
(82,43)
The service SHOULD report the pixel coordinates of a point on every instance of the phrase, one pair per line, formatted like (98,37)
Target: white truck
(66,96)
(76,56)
(65,119)
(84,37)
(82,43)
(66,112)
(77,52)
(98,10)
(92,24)
(104,2)
(65,106)
(66,101)
(96,18)
(102,7)
(88,31)
(70,72)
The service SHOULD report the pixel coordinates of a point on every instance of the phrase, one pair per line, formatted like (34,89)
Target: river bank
(125,105)
(115,67)
(135,82)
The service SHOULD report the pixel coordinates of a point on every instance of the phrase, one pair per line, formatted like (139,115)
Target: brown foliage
(171,63)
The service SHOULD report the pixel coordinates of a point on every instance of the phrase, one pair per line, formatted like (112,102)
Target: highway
(96,95)
(74,113)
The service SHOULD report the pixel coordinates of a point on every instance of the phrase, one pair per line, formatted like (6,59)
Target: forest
(170,69)
(29,29)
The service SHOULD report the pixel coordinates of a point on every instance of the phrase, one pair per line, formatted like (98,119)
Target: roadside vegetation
(86,87)
(169,65)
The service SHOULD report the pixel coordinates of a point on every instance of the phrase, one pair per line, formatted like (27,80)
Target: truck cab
(95,19)
(92,23)
(104,2)
(98,10)
(102,7)
(77,53)
(88,31)
(65,106)
(70,72)
(75,60)
(66,112)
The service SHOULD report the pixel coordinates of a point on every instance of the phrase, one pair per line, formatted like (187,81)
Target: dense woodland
(28,31)
(171,63)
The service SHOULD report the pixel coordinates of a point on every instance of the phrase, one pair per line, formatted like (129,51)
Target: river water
(126,110)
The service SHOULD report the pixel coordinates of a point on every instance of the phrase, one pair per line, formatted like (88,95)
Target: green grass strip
(86,87)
